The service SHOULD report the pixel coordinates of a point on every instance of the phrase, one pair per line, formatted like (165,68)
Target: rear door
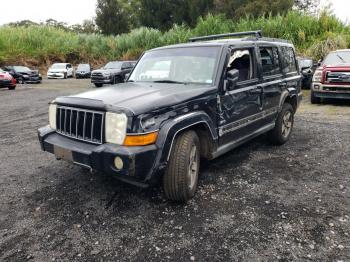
(290,69)
(272,81)
(240,106)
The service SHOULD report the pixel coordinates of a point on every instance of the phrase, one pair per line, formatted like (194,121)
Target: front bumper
(105,80)
(331,91)
(6,83)
(55,75)
(82,75)
(138,162)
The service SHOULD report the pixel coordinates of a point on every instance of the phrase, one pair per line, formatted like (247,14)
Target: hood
(106,71)
(31,72)
(63,70)
(340,66)
(138,98)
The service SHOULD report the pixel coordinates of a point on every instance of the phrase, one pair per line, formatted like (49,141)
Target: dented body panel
(223,117)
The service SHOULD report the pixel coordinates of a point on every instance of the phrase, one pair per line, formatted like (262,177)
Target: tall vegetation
(42,45)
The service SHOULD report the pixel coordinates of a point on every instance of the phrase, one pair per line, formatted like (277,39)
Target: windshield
(59,66)
(113,65)
(83,67)
(21,68)
(304,63)
(178,65)
(337,58)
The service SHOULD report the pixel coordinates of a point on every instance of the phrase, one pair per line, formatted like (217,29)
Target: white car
(60,70)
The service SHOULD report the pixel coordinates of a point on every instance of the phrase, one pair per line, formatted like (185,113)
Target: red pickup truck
(332,78)
(6,80)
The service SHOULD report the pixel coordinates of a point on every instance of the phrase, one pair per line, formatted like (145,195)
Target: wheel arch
(197,121)
(290,96)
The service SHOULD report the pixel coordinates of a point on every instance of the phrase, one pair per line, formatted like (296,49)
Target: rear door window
(289,62)
(270,61)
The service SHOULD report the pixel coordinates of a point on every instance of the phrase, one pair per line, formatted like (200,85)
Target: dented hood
(137,98)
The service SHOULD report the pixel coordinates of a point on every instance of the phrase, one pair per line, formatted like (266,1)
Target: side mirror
(319,63)
(127,76)
(232,78)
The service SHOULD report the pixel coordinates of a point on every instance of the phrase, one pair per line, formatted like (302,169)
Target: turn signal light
(141,140)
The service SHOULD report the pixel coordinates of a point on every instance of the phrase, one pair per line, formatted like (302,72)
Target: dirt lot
(257,203)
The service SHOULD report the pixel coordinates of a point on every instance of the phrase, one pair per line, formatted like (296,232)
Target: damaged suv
(181,104)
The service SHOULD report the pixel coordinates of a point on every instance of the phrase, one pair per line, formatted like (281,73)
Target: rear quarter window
(289,61)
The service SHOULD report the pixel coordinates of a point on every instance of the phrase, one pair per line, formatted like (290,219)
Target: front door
(241,106)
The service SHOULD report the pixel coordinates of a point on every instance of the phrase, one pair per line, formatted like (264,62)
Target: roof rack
(257,34)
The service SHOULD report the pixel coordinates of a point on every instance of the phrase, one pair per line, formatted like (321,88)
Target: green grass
(42,45)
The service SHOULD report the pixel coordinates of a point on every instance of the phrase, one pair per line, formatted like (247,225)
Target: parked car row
(112,73)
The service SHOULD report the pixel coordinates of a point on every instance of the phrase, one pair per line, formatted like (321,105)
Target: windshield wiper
(342,59)
(169,82)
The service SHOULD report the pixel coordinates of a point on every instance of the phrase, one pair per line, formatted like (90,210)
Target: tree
(88,27)
(311,6)
(255,8)
(111,17)
(162,14)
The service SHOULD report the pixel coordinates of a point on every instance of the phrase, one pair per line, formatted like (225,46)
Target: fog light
(316,87)
(118,162)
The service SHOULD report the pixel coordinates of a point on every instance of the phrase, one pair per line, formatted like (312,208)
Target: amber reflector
(141,140)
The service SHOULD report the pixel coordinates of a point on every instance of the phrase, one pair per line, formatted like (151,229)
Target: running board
(228,147)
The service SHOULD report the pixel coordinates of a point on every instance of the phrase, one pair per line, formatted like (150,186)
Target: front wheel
(283,125)
(181,177)
(98,85)
(12,88)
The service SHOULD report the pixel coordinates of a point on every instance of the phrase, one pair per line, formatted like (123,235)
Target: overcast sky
(75,11)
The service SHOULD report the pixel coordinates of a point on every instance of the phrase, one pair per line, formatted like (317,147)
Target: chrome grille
(81,124)
(338,77)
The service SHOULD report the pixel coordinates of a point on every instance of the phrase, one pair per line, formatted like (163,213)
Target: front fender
(171,128)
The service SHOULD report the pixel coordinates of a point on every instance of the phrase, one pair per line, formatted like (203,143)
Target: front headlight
(115,128)
(52,115)
(106,73)
(317,76)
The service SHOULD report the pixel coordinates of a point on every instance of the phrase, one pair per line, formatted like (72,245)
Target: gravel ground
(256,203)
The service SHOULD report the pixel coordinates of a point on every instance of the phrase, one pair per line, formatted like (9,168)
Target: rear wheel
(12,88)
(283,125)
(181,177)
(98,85)
(314,99)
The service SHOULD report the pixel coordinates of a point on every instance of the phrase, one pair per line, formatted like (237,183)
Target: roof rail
(257,34)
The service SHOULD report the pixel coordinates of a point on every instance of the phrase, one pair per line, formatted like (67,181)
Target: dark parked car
(23,74)
(307,69)
(332,78)
(181,103)
(83,71)
(112,73)
(7,80)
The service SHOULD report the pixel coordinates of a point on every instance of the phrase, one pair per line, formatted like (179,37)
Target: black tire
(281,134)
(20,80)
(12,88)
(314,99)
(65,76)
(181,177)
(98,85)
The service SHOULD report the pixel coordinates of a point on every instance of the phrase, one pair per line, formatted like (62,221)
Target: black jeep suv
(112,73)
(181,103)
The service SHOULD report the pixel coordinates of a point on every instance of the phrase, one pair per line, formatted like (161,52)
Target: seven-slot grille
(80,124)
